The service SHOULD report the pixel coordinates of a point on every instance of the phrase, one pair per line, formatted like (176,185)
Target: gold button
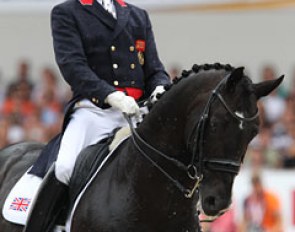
(113,48)
(116,83)
(132,66)
(132,48)
(93,99)
(115,66)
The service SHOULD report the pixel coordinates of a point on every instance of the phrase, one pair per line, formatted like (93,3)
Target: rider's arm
(72,61)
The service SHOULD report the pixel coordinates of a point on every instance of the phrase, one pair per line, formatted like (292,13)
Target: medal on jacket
(140,47)
(140,58)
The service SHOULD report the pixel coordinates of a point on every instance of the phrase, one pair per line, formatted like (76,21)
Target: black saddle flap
(86,165)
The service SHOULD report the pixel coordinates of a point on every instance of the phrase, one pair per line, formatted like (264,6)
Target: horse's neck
(165,128)
(167,125)
(151,187)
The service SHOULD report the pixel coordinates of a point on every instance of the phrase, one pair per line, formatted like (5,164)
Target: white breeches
(88,125)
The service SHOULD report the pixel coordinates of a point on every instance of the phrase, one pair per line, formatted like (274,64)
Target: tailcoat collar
(123,12)
(90,2)
(93,7)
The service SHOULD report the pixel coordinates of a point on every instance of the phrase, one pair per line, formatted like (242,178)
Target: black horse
(188,149)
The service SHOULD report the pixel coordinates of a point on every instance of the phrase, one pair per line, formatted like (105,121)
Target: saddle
(87,164)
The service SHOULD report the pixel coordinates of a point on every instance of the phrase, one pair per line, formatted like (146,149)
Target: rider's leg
(44,213)
(87,126)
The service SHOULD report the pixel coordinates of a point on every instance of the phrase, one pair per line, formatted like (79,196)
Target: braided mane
(195,69)
(204,67)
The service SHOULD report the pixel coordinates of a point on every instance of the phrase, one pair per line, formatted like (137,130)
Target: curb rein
(194,172)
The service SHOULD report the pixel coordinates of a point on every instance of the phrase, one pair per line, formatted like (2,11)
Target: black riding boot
(51,200)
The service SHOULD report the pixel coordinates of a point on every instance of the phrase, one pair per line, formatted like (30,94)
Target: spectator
(3,132)
(14,129)
(48,99)
(261,210)
(17,102)
(34,129)
(23,80)
(288,121)
(48,83)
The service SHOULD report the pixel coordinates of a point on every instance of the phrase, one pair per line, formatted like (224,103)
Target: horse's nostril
(211,201)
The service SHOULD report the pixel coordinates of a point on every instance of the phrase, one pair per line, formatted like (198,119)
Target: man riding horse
(106,51)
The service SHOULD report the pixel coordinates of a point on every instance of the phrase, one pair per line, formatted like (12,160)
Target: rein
(196,139)
(137,140)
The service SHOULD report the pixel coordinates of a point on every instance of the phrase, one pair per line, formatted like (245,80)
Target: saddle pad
(122,133)
(20,199)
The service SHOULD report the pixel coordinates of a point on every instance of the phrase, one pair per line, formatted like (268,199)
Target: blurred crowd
(274,146)
(31,111)
(34,111)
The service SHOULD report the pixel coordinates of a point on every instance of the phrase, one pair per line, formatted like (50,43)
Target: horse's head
(196,136)
(228,122)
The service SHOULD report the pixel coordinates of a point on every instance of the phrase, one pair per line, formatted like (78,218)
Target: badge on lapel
(140,47)
(86,2)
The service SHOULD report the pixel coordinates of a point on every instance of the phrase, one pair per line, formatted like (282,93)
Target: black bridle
(196,139)
(196,143)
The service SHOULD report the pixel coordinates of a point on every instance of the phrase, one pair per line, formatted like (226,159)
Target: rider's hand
(156,93)
(122,102)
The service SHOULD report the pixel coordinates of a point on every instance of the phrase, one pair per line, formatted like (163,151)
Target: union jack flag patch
(20,204)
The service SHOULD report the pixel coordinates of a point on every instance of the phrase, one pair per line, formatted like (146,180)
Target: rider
(105,50)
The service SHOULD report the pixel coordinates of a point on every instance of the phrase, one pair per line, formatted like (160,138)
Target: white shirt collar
(100,1)
(110,7)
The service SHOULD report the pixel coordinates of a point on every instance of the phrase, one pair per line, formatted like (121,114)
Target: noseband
(196,144)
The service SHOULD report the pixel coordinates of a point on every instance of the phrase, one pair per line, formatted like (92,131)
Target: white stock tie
(109,7)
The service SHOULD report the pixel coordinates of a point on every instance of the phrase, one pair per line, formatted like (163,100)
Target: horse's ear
(234,78)
(264,88)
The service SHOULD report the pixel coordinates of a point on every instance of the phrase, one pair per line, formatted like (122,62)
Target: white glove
(122,102)
(158,90)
